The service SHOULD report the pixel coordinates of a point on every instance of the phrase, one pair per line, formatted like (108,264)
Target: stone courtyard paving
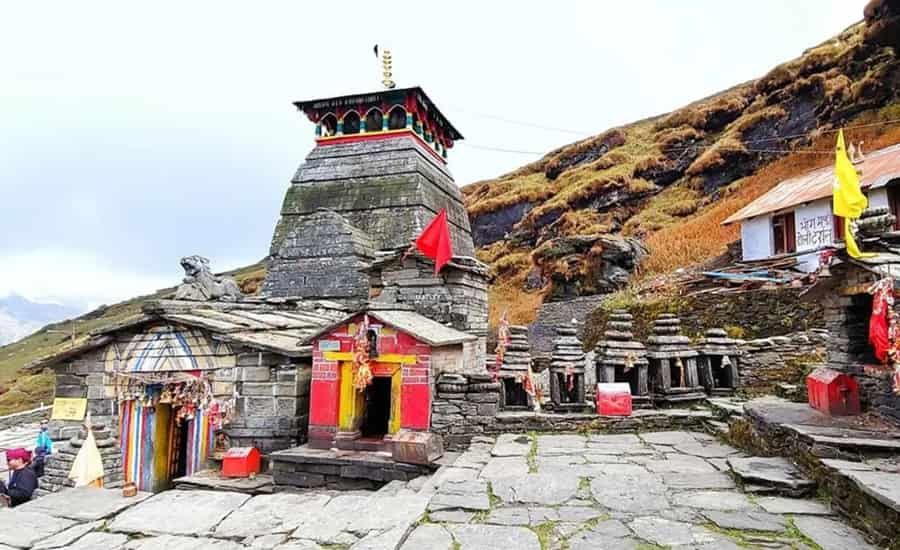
(519,492)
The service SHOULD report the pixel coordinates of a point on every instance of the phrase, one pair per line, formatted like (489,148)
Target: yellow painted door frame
(352,401)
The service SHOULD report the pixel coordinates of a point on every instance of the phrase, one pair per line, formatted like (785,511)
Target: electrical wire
(699,148)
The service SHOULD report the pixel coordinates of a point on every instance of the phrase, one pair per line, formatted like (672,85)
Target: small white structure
(796,216)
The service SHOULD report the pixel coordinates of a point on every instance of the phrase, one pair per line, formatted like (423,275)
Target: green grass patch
(544,532)
(793,532)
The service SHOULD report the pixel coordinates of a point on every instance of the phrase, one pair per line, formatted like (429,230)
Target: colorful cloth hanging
(881,320)
(362,371)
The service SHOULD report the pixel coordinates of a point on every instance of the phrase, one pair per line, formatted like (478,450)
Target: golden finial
(386,62)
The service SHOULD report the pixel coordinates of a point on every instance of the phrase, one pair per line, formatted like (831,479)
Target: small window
(329,125)
(397,118)
(784,233)
(372,336)
(351,123)
(374,120)
(838,229)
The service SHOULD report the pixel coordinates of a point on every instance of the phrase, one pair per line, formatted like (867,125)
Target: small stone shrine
(619,358)
(567,370)
(673,363)
(717,364)
(514,370)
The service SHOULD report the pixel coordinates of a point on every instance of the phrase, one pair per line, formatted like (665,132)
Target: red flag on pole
(434,242)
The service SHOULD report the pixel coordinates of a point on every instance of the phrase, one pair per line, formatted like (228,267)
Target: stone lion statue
(201,285)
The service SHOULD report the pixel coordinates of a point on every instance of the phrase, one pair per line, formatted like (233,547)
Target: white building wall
(814,228)
(878,198)
(756,238)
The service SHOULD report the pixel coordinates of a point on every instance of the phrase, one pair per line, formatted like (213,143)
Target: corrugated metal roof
(416,325)
(878,168)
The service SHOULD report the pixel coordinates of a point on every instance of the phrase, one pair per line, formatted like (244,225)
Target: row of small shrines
(667,370)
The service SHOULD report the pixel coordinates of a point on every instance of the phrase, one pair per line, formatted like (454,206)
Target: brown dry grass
(521,306)
(584,222)
(717,155)
(709,115)
(677,136)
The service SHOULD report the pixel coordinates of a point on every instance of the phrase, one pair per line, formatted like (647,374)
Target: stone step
(725,408)
(771,475)
(717,427)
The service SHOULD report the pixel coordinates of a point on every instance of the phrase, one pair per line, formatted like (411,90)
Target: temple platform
(212,480)
(855,460)
(306,467)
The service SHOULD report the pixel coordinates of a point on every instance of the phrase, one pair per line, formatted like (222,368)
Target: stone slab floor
(518,492)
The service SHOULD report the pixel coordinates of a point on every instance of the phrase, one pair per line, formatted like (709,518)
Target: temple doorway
(377,407)
(179,449)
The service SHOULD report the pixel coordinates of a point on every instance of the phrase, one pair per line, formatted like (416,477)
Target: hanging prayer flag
(434,242)
(362,371)
(848,200)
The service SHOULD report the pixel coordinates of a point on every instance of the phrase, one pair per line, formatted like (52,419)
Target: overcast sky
(134,134)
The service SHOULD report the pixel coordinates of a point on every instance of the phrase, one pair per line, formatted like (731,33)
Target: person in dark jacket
(22,481)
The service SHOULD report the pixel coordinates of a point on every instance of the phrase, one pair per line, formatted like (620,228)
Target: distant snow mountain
(20,317)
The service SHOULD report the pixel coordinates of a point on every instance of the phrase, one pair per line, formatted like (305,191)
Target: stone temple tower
(377,176)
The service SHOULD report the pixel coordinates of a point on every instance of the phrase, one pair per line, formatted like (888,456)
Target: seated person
(22,481)
(37,463)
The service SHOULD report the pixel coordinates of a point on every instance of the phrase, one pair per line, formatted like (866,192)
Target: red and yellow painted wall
(335,405)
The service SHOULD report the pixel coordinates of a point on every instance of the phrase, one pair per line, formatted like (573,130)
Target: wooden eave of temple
(418,118)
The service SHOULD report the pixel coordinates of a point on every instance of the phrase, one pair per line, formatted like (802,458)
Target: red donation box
(240,462)
(614,399)
(832,392)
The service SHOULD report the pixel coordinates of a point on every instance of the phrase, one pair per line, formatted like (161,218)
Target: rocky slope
(580,219)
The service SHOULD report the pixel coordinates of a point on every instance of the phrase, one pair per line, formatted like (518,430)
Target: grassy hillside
(19,390)
(670,180)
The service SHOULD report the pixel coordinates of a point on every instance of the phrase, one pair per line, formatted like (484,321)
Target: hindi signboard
(66,408)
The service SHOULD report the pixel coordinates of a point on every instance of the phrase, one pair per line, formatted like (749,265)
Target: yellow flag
(848,201)
(852,249)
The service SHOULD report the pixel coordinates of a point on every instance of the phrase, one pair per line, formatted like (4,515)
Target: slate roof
(877,170)
(418,326)
(280,329)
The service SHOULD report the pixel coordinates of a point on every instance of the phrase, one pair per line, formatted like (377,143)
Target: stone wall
(457,296)
(747,314)
(765,362)
(557,314)
(464,406)
(33,416)
(847,313)
(387,189)
(59,464)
